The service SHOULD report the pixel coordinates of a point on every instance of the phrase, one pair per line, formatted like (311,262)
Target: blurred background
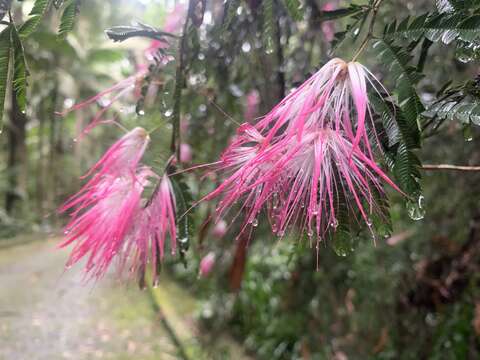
(413,295)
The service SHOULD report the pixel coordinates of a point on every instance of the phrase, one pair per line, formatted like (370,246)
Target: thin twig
(450,167)
(370,30)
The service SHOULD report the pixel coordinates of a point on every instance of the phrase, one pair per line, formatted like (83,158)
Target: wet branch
(434,167)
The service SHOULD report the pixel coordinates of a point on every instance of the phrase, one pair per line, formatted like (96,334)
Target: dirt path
(48,314)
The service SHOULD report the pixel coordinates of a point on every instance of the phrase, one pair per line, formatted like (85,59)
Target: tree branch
(434,167)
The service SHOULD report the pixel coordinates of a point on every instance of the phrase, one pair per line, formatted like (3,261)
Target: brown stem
(450,167)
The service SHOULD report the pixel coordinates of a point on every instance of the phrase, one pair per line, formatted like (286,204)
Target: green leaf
(407,171)
(406,78)
(399,156)
(445,27)
(183,199)
(5,51)
(36,15)
(294,8)
(341,13)
(268,22)
(67,21)
(122,33)
(20,71)
(230,11)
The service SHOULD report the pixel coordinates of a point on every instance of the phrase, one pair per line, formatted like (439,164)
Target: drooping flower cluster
(311,153)
(110,218)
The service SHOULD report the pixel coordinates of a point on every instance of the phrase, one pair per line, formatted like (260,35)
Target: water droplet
(280,233)
(334,223)
(310,233)
(255,222)
(369,222)
(416,208)
(467,133)
(75,140)
(141,112)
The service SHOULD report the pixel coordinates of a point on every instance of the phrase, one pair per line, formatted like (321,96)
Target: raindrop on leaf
(416,209)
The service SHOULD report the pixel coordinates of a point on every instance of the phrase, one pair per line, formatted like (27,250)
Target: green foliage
(20,71)
(5,51)
(357,14)
(402,138)
(351,11)
(268,10)
(230,10)
(39,10)
(67,20)
(185,218)
(445,27)
(460,103)
(406,77)
(294,8)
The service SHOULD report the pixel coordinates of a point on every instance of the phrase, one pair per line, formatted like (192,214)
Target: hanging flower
(312,146)
(206,264)
(110,218)
(185,153)
(220,229)
(155,224)
(103,219)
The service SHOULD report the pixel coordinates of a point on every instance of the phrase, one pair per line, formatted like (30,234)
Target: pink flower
(312,146)
(328,27)
(104,218)
(122,158)
(155,224)
(107,98)
(110,218)
(252,102)
(185,153)
(220,229)
(206,264)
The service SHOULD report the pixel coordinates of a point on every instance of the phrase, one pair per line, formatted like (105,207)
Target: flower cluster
(110,218)
(312,152)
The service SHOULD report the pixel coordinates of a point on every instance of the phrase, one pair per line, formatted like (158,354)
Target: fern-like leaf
(20,71)
(294,8)
(39,10)
(444,27)
(398,149)
(5,51)
(230,11)
(268,22)
(406,77)
(67,21)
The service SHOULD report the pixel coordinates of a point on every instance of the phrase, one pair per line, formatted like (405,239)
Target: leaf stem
(363,45)
(450,167)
